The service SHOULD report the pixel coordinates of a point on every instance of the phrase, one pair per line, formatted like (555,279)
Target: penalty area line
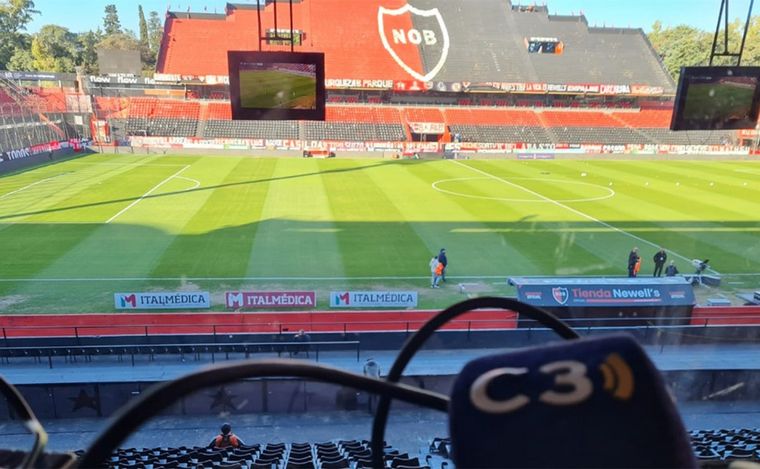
(30,185)
(155,188)
(575,211)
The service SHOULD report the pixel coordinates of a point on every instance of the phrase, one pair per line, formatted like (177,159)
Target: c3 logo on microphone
(571,385)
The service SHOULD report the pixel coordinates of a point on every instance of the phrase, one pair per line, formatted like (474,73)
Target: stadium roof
(442,40)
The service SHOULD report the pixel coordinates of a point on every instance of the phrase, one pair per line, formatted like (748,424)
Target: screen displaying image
(717,98)
(720,100)
(271,85)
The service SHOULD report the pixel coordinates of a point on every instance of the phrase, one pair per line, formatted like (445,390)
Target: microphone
(597,402)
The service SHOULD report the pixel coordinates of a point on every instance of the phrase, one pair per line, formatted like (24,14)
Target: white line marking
(146,194)
(315,279)
(197,182)
(30,185)
(577,212)
(436,186)
(201,279)
(95,164)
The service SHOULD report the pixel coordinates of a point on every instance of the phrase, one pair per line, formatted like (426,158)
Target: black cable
(25,413)
(157,398)
(418,339)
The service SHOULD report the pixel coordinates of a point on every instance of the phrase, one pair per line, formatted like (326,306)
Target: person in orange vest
(439,269)
(226,439)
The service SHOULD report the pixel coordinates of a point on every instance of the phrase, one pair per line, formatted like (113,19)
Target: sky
(82,15)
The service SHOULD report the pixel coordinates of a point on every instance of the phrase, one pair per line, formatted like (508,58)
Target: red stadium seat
(364,114)
(180,53)
(492,117)
(219,111)
(579,119)
(424,114)
(646,119)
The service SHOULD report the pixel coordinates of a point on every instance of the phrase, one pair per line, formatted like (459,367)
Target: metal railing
(196,350)
(405,326)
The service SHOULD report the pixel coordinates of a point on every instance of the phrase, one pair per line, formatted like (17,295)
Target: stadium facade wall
(22,158)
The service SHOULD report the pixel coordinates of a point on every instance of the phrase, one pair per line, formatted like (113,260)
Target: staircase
(21,97)
(547,128)
(646,137)
(200,129)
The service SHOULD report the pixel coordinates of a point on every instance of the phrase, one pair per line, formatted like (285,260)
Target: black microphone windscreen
(596,402)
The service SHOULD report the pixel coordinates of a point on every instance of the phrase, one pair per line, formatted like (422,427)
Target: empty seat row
(251,129)
(344,454)
(353,131)
(500,134)
(163,127)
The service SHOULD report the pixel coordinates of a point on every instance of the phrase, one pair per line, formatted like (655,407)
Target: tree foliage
(111,23)
(146,54)
(120,41)
(15,15)
(684,46)
(155,32)
(88,50)
(143,27)
(55,49)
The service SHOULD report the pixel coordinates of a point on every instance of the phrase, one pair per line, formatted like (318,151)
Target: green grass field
(75,232)
(708,101)
(277,89)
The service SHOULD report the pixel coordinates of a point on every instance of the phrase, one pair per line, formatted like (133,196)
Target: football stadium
(183,289)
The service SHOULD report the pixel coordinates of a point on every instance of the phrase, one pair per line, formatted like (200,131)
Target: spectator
(671,270)
(443,260)
(372,368)
(226,439)
(659,262)
(303,338)
(433,269)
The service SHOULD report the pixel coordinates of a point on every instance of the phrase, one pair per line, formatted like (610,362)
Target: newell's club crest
(397,35)
(560,295)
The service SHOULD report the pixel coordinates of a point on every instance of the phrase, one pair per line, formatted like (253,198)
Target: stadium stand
(607,135)
(371,115)
(502,57)
(495,50)
(645,119)
(110,107)
(717,446)
(179,53)
(432,115)
(726,444)
(218,111)
(314,130)
(500,134)
(342,454)
(586,59)
(491,117)
(578,119)
(251,129)
(26,120)
(612,55)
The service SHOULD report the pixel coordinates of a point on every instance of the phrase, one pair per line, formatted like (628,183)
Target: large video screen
(717,98)
(277,85)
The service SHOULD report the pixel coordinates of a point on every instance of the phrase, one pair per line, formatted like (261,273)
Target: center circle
(608,192)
